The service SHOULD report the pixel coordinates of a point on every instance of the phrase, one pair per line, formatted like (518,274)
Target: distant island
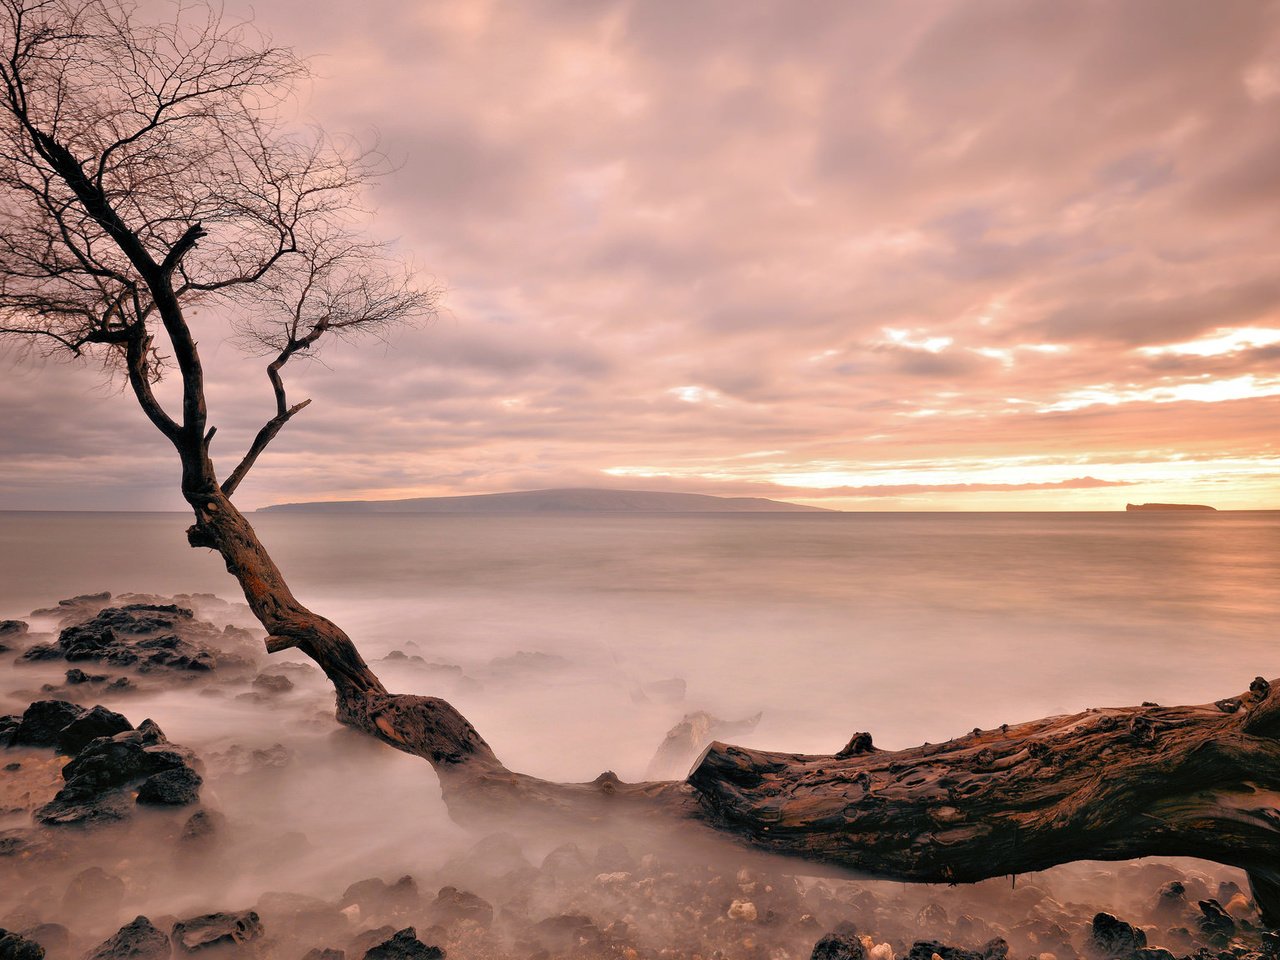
(578,500)
(1168,506)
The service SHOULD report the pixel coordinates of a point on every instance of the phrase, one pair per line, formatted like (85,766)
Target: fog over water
(916,627)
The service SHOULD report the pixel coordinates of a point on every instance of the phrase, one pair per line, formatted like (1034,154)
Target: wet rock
(8,723)
(43,720)
(145,636)
(202,827)
(566,931)
(452,904)
(931,916)
(404,945)
(76,676)
(213,929)
(996,949)
(376,895)
(14,946)
(75,608)
(1110,937)
(688,738)
(54,937)
(9,629)
(272,683)
(173,788)
(95,892)
(838,946)
(97,722)
(136,940)
(742,910)
(1215,922)
(565,862)
(41,651)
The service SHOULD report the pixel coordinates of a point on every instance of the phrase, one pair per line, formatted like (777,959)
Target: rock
(14,946)
(1171,900)
(41,651)
(452,904)
(565,862)
(202,827)
(996,949)
(10,629)
(375,895)
(1113,938)
(690,737)
(212,929)
(324,953)
(567,931)
(54,937)
(931,916)
(404,945)
(8,723)
(43,720)
(1214,921)
(93,891)
(742,910)
(136,940)
(142,635)
(174,788)
(76,676)
(97,722)
(1153,953)
(272,683)
(366,940)
(838,946)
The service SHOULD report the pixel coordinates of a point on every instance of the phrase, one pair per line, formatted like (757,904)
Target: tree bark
(1110,784)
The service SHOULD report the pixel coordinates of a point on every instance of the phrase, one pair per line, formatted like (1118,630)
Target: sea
(914,627)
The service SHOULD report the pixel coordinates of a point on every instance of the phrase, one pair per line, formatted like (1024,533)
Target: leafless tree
(146,167)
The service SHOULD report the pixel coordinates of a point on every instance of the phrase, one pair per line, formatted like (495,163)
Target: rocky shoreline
(107,828)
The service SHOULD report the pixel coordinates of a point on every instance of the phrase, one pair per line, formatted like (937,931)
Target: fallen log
(1106,784)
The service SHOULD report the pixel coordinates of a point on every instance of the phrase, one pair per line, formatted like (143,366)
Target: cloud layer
(979,255)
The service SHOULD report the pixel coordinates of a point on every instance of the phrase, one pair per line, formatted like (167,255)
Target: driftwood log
(97,257)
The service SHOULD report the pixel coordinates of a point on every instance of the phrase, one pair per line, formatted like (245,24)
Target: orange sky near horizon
(884,256)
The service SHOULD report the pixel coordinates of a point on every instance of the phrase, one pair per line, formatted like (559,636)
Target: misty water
(916,627)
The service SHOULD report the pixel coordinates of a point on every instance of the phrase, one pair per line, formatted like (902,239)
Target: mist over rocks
(304,824)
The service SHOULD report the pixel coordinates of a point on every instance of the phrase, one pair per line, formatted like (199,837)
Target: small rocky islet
(99,813)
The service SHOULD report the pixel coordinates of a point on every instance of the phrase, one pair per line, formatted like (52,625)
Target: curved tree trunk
(1198,781)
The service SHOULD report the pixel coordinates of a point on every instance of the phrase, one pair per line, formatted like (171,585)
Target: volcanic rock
(212,929)
(136,940)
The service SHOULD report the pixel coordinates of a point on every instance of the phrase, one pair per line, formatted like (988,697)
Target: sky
(868,256)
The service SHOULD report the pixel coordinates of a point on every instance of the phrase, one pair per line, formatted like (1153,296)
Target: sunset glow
(924,256)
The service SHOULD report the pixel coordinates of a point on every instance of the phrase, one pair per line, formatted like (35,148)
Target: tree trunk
(1113,784)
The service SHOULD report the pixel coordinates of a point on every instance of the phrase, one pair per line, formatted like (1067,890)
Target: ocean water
(915,627)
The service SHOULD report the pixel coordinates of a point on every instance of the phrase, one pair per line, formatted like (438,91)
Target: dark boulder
(76,676)
(1111,938)
(376,895)
(41,651)
(174,788)
(43,720)
(93,891)
(996,949)
(14,946)
(10,629)
(97,722)
(272,683)
(404,945)
(1214,921)
(8,723)
(452,904)
(54,937)
(213,929)
(136,940)
(838,946)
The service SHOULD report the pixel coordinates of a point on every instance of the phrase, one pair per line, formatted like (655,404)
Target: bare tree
(145,168)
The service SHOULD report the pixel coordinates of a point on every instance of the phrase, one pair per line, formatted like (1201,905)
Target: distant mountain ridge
(1132,507)
(568,500)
